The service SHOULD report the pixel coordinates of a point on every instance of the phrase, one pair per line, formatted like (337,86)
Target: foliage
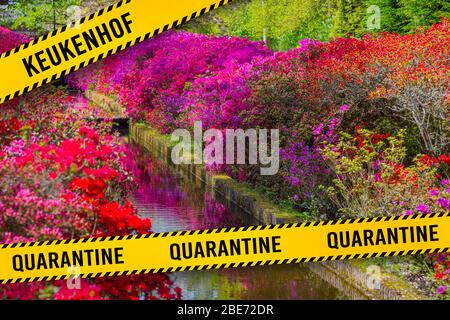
(37,16)
(282,23)
(370,178)
(279,23)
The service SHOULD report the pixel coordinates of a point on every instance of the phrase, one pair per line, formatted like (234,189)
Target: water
(174,204)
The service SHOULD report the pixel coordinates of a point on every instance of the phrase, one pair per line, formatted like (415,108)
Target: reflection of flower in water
(217,215)
(158,188)
(155,184)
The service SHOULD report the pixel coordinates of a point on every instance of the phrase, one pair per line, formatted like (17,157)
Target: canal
(173,203)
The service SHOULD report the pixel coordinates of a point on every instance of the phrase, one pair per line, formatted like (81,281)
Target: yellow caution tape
(95,37)
(225,248)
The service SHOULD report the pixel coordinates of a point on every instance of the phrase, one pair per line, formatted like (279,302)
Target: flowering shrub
(364,123)
(61,177)
(371,178)
(151,77)
(10,40)
(66,182)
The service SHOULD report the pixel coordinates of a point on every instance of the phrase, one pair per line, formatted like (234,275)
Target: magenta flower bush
(149,79)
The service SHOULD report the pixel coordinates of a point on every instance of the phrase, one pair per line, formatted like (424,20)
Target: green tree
(37,16)
(418,13)
(401,16)
(389,15)
(349,18)
(281,23)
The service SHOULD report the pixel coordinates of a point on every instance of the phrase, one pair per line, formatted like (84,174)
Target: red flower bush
(60,178)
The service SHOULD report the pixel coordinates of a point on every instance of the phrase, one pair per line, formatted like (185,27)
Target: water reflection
(175,204)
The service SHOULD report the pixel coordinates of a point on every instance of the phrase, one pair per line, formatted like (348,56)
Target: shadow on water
(174,204)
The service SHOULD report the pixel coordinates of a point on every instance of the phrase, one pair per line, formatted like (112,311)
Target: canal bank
(351,277)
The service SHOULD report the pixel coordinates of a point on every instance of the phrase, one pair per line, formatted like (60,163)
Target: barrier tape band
(106,32)
(225,248)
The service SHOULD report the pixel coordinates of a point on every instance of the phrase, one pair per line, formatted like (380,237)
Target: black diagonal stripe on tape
(147,36)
